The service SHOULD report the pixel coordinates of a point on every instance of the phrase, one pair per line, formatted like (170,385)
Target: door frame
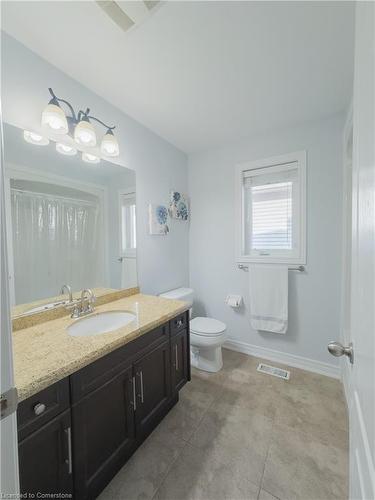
(346,266)
(9,475)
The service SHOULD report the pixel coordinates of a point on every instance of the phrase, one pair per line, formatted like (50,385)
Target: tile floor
(240,434)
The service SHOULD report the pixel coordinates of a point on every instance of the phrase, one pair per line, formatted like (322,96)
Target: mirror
(68,222)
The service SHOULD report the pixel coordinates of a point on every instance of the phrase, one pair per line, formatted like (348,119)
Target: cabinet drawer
(179,323)
(42,407)
(99,372)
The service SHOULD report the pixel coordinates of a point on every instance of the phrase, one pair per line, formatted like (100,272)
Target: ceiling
(201,74)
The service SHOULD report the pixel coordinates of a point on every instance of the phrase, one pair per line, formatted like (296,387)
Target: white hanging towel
(269,297)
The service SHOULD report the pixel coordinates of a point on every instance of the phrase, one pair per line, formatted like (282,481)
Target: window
(128,242)
(272,210)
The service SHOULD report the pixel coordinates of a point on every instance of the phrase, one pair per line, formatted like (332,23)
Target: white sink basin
(98,323)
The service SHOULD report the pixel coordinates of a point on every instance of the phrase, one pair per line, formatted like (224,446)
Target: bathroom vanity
(97,365)
(75,434)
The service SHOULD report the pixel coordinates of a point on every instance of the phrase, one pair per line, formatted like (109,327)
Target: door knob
(337,349)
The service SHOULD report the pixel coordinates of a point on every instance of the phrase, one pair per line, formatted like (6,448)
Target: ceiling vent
(127,14)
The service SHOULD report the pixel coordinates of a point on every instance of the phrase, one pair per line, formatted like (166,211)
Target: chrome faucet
(85,304)
(68,290)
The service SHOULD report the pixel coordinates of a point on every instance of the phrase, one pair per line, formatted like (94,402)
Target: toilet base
(208,359)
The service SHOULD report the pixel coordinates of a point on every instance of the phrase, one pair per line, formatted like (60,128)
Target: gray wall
(160,167)
(163,262)
(314,302)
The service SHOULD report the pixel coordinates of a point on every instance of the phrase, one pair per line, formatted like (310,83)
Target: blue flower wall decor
(158,219)
(178,206)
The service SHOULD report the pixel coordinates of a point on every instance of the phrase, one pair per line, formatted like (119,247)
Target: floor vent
(273,370)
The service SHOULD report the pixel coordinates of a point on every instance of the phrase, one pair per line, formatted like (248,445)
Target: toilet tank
(185,294)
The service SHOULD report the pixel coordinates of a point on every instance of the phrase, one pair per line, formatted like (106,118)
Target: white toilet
(207,335)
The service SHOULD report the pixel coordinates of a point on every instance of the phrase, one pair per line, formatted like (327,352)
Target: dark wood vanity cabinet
(180,355)
(103,433)
(153,388)
(45,439)
(45,458)
(112,420)
(113,405)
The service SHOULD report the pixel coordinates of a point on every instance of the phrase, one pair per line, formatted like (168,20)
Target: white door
(360,376)
(8,423)
(128,240)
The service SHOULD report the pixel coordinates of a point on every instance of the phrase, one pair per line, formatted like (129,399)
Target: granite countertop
(45,353)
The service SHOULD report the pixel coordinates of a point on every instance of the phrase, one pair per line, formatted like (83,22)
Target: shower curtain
(56,240)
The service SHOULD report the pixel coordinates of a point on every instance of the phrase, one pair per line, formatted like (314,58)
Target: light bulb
(109,146)
(84,133)
(54,118)
(65,149)
(34,138)
(89,158)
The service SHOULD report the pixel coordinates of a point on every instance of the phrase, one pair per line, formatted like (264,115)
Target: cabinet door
(153,383)
(104,436)
(45,459)
(179,359)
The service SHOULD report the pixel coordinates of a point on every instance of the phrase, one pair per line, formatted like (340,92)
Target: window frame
(276,163)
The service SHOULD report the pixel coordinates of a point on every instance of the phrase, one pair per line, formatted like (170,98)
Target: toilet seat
(207,327)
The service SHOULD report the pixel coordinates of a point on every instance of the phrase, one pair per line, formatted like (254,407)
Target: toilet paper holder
(234,301)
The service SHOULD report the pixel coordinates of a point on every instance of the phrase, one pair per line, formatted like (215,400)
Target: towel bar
(301,269)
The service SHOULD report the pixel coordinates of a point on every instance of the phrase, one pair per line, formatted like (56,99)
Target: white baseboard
(284,358)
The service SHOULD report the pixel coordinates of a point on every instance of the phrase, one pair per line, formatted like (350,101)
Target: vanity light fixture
(65,149)
(84,133)
(54,118)
(89,158)
(109,146)
(78,126)
(34,138)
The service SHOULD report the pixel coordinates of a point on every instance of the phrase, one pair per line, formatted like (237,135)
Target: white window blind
(271,201)
(271,214)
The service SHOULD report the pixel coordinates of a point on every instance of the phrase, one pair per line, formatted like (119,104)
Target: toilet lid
(207,326)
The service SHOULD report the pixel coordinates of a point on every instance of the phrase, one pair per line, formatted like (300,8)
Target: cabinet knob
(39,408)
(179,322)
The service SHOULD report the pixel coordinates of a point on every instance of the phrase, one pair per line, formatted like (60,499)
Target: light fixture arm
(58,99)
(99,121)
(77,125)
(77,118)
